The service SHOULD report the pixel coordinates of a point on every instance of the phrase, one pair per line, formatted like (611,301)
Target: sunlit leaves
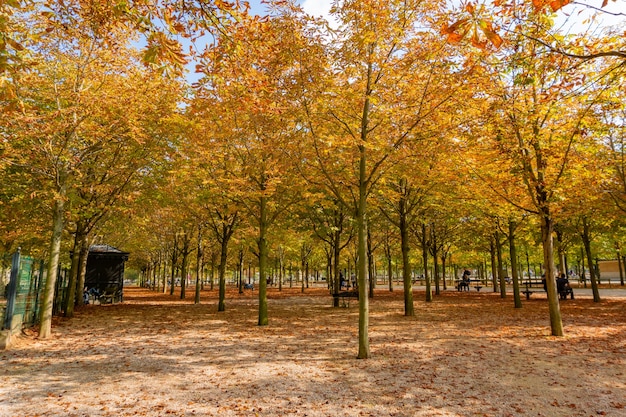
(478,26)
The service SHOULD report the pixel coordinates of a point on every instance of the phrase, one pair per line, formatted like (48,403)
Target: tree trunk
(556,323)
(82,263)
(501,280)
(221,306)
(337,254)
(620,265)
(70,296)
(561,252)
(429,293)
(262,244)
(240,271)
(370,265)
(212,276)
(184,270)
(174,262)
(443,270)
(492,252)
(586,237)
(164,278)
(45,315)
(198,262)
(409,309)
(389,266)
(434,251)
(364,346)
(513,255)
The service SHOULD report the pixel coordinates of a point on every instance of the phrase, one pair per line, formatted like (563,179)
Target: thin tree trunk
(184,270)
(82,263)
(164,278)
(389,266)
(513,255)
(221,306)
(262,244)
(586,237)
(45,316)
(492,253)
(364,344)
(198,262)
(501,280)
(70,296)
(370,265)
(174,261)
(435,254)
(429,293)
(556,323)
(409,309)
(561,252)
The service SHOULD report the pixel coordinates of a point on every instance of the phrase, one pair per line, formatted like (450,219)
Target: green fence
(24,292)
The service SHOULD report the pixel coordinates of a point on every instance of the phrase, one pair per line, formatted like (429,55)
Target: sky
(573,20)
(570,12)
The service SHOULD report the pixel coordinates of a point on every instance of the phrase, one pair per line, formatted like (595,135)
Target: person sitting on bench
(563,287)
(464,284)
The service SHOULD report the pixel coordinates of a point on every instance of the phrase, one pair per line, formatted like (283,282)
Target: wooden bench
(345,295)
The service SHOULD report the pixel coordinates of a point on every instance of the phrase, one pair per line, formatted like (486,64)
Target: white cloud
(318,8)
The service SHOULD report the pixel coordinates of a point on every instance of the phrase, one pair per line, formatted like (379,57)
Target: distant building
(609,270)
(105,270)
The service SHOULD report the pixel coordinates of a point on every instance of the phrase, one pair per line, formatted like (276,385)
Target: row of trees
(380,133)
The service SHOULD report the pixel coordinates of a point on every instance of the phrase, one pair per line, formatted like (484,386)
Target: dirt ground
(465,354)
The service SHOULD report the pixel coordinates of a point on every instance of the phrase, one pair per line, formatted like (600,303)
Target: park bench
(345,295)
(532,286)
(109,296)
(460,284)
(248,286)
(537,286)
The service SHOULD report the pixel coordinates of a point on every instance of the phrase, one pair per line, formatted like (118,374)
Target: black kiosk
(105,272)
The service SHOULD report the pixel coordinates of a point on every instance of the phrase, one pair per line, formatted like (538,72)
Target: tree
(357,125)
(251,79)
(540,117)
(71,125)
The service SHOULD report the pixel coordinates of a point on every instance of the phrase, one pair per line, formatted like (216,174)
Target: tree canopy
(406,125)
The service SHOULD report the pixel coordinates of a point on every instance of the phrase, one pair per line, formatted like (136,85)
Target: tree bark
(429,293)
(494,274)
(70,297)
(198,263)
(586,237)
(556,324)
(82,263)
(262,244)
(184,270)
(513,255)
(45,315)
(409,309)
(501,280)
(221,306)
(364,348)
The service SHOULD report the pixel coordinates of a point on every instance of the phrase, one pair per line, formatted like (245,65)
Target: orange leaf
(557,4)
(453,27)
(455,37)
(490,33)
